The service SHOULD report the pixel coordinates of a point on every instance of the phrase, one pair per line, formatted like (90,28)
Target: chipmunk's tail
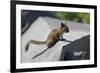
(40,53)
(37,42)
(34,42)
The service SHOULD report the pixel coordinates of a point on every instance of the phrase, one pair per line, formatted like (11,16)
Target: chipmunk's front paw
(62,39)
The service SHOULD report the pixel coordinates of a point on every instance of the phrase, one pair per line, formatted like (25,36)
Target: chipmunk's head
(65,27)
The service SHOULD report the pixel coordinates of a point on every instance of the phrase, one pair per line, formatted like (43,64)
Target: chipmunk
(52,38)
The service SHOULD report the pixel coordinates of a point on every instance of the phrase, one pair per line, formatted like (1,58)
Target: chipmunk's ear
(62,24)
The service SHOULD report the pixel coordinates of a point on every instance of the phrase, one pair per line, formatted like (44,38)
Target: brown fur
(54,37)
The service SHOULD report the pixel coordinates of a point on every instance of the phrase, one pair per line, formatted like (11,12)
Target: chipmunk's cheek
(66,30)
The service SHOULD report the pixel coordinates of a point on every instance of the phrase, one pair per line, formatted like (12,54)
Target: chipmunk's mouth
(66,30)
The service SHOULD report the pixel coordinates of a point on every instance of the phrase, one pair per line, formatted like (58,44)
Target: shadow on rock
(77,50)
